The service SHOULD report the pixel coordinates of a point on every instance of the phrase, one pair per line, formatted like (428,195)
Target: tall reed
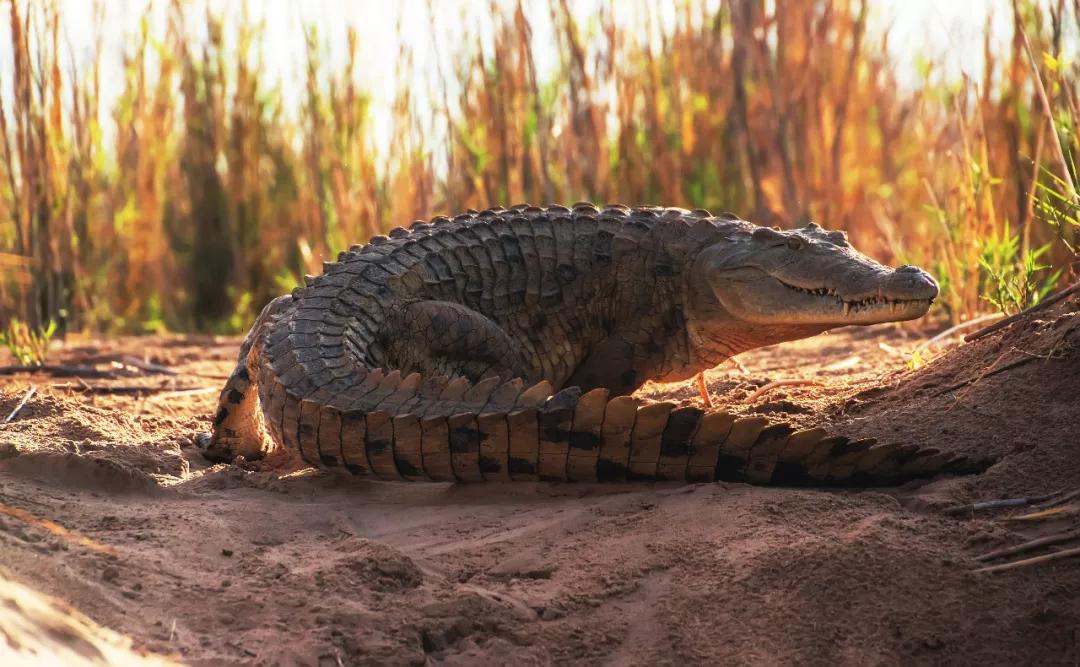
(214,192)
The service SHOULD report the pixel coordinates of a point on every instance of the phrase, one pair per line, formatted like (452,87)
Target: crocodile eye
(795,243)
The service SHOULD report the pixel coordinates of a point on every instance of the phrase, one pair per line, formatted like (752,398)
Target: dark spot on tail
(610,471)
(787,473)
(242,374)
(522,466)
(681,425)
(554,434)
(378,445)
(488,464)
(839,446)
(464,439)
(407,469)
(584,440)
(235,395)
(729,468)
(219,418)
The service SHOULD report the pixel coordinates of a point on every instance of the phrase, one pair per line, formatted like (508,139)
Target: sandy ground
(107,506)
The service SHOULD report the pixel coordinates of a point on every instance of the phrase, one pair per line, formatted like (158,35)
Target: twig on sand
(1056,499)
(959,327)
(26,397)
(124,366)
(891,349)
(998,503)
(185,392)
(1035,560)
(997,326)
(117,389)
(1057,538)
(64,370)
(1047,515)
(843,364)
(129,360)
(779,383)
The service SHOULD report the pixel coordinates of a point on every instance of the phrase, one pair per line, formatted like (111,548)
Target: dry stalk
(26,397)
(780,383)
(1028,562)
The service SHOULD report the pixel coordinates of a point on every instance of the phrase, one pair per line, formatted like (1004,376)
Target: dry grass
(213,199)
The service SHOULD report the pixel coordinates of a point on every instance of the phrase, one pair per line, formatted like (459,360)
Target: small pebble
(227,552)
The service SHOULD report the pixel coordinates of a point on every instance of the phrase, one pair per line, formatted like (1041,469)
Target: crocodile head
(783,285)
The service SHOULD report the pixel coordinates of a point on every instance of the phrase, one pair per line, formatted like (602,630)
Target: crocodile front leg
(613,364)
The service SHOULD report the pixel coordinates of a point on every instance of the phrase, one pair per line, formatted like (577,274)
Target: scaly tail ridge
(502,431)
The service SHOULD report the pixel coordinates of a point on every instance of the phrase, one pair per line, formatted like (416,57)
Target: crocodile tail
(238,424)
(451,430)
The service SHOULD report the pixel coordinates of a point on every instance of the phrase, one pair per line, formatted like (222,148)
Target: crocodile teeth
(847,308)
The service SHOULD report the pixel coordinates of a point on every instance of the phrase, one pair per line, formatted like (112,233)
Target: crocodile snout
(914,283)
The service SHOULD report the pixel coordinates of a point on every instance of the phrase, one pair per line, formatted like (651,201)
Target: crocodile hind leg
(613,364)
(444,338)
(238,421)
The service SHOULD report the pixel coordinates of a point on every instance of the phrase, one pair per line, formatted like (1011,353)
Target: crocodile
(506,344)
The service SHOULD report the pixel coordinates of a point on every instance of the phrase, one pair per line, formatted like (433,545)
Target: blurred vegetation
(27,346)
(211,197)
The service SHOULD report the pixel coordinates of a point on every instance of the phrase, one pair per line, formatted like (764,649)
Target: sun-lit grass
(210,197)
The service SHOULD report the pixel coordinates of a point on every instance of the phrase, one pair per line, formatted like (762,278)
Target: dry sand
(106,505)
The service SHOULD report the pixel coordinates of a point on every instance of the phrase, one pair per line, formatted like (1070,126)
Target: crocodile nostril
(925,282)
(907,268)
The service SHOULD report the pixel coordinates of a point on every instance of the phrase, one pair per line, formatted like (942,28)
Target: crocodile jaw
(753,296)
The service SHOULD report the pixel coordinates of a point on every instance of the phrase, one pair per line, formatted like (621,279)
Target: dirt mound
(365,563)
(1013,396)
(51,418)
(64,441)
